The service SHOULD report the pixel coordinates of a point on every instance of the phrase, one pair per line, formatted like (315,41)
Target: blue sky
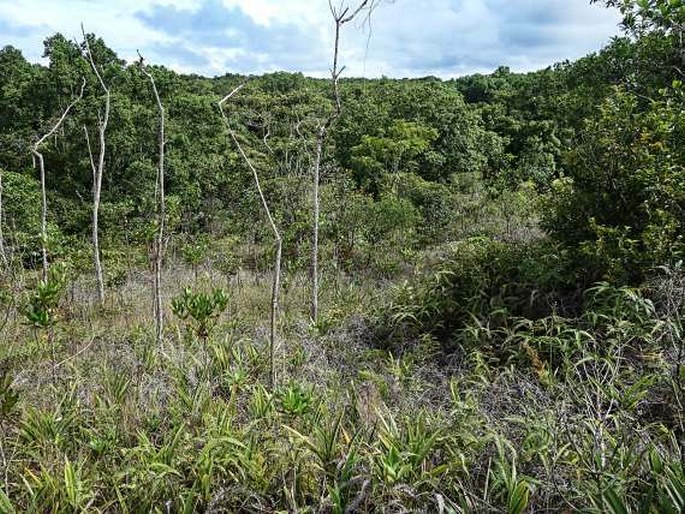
(406,38)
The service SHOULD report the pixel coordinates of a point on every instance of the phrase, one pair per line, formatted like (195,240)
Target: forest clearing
(279,293)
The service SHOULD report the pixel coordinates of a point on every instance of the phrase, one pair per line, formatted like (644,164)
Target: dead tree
(37,155)
(161,214)
(3,254)
(341,16)
(98,171)
(276,284)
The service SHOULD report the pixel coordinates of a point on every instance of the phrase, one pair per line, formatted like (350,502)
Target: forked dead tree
(276,284)
(341,15)
(37,155)
(161,214)
(98,170)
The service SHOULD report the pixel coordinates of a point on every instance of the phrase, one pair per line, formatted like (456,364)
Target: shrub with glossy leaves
(200,311)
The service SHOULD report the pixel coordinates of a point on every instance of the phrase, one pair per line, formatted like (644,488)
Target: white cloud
(407,38)
(304,12)
(114,21)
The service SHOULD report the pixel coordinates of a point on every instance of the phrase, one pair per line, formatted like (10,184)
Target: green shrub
(434,202)
(200,311)
(370,235)
(622,201)
(22,212)
(40,309)
(479,278)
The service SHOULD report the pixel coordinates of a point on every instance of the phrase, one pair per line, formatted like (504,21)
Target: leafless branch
(98,172)
(341,16)
(275,291)
(161,214)
(41,163)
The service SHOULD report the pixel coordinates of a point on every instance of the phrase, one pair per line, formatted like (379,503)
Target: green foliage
(41,307)
(622,200)
(435,203)
(295,399)
(551,411)
(200,311)
(6,503)
(396,151)
(367,234)
(225,257)
(515,381)
(476,279)
(22,207)
(516,489)
(9,396)
(195,251)
(643,16)
(403,453)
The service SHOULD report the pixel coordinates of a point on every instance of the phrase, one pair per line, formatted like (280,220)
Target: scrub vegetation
(284,294)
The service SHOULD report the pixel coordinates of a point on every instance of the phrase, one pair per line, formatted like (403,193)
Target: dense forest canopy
(502,288)
(506,128)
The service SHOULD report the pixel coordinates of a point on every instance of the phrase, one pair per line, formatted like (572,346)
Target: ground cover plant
(494,324)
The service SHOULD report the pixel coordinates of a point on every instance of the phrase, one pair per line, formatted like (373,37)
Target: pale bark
(3,254)
(276,284)
(98,171)
(41,163)
(161,214)
(314,310)
(341,16)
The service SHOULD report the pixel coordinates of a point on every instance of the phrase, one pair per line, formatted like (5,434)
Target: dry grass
(121,425)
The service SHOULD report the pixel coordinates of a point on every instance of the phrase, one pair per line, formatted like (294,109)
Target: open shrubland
(502,288)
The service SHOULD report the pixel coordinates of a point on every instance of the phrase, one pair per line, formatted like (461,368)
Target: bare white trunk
(161,215)
(341,16)
(276,284)
(98,171)
(275,294)
(43,218)
(314,311)
(35,150)
(3,254)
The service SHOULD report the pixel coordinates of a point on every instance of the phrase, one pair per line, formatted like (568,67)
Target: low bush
(480,278)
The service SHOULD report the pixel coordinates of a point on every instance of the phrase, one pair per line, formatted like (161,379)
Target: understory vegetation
(499,325)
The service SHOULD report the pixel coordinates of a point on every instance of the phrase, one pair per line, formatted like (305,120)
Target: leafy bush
(477,278)
(22,210)
(624,195)
(200,311)
(370,235)
(40,309)
(434,202)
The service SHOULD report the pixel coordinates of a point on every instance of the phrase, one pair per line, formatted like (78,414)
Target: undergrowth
(468,405)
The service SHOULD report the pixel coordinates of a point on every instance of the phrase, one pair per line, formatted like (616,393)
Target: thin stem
(3,255)
(276,284)
(341,16)
(161,214)
(41,162)
(98,172)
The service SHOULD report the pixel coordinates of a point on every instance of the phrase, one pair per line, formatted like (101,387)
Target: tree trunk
(161,214)
(314,312)
(97,174)
(275,293)
(3,255)
(41,162)
(43,218)
(276,284)
(97,182)
(341,17)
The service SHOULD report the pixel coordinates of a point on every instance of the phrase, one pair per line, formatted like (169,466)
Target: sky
(401,38)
